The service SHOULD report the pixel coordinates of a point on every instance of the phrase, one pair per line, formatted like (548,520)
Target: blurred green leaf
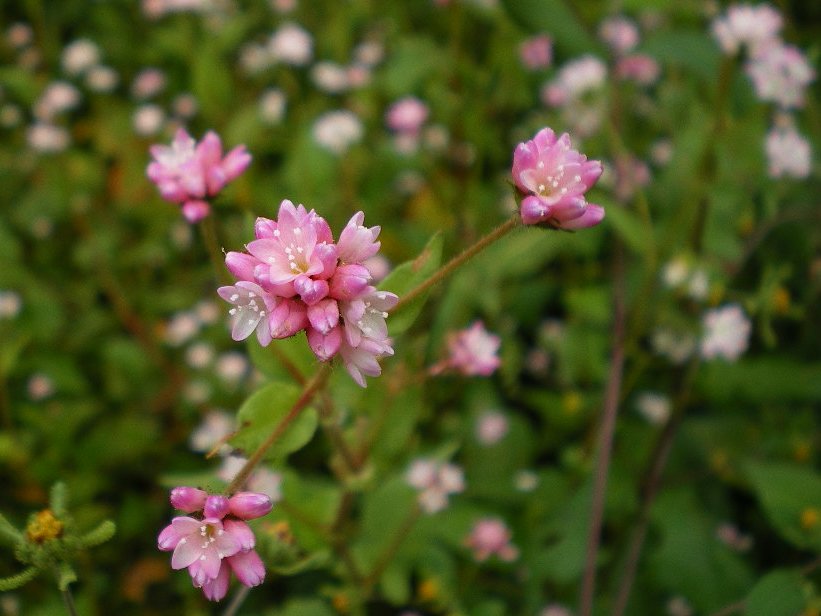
(791,497)
(556,18)
(694,50)
(779,593)
(263,411)
(407,276)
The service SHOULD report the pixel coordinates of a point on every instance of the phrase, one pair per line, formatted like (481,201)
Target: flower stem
(456,262)
(607,430)
(68,599)
(308,392)
(208,231)
(237,601)
(393,547)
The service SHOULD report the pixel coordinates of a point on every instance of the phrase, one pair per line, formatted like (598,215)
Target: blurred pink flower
(536,52)
(638,67)
(620,33)
(491,537)
(295,277)
(471,352)
(189,173)
(780,74)
(744,24)
(491,427)
(555,178)
(435,481)
(407,115)
(788,153)
(217,541)
(574,80)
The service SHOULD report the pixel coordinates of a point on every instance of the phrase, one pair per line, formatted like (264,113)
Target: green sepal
(65,576)
(101,534)
(16,581)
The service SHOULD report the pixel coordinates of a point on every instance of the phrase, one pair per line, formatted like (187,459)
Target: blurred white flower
(232,366)
(59,96)
(47,138)
(181,328)
(199,355)
(272,106)
(336,131)
(726,333)
(39,387)
(654,407)
(788,153)
(330,77)
(291,44)
(148,82)
(148,120)
(102,79)
(214,428)
(435,481)
(10,304)
(491,427)
(79,56)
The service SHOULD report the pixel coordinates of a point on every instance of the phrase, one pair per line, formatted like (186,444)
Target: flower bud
(249,505)
(216,506)
(350,281)
(188,499)
(324,315)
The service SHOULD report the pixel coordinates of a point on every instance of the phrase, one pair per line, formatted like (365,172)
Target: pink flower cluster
(294,277)
(536,53)
(473,351)
(217,541)
(491,537)
(744,24)
(435,481)
(189,173)
(555,177)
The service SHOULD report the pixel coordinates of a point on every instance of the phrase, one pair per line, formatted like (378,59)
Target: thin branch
(607,430)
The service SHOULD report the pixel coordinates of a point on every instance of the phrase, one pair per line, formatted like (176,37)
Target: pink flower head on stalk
(472,352)
(620,33)
(294,277)
(536,52)
(638,67)
(189,173)
(491,537)
(555,178)
(744,24)
(435,481)
(780,74)
(217,541)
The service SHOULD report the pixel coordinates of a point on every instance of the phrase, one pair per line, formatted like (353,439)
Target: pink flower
(435,481)
(491,537)
(491,427)
(472,352)
(407,115)
(638,67)
(216,542)
(536,52)
(295,277)
(788,153)
(780,73)
(188,173)
(749,25)
(620,34)
(555,178)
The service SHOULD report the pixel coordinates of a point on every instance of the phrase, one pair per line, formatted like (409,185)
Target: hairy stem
(607,430)
(459,260)
(309,391)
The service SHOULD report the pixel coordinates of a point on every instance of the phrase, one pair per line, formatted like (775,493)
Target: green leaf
(281,357)
(693,50)
(789,495)
(16,581)
(263,411)
(779,593)
(762,380)
(630,228)
(407,276)
(555,17)
(8,532)
(101,534)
